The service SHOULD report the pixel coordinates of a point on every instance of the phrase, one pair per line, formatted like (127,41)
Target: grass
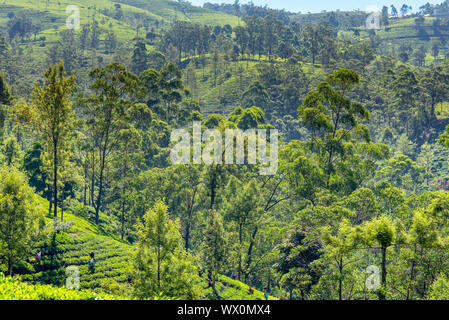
(53,17)
(230,84)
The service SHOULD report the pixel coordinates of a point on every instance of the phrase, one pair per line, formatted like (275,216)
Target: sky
(314,6)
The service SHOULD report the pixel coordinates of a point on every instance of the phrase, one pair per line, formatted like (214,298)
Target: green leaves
(20,223)
(160,262)
(54,118)
(444,138)
(381,231)
(14,289)
(440,288)
(315,119)
(424,230)
(337,135)
(344,79)
(250,118)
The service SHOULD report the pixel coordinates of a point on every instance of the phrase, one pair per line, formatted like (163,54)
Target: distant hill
(52,14)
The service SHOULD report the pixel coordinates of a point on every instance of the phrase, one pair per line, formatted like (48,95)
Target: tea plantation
(110,278)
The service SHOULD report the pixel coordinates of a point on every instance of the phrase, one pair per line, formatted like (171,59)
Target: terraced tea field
(112,273)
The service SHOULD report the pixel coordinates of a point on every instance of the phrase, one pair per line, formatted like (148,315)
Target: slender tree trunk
(384,274)
(187,236)
(10,264)
(55,179)
(85,183)
(251,246)
(340,280)
(100,189)
(213,187)
(412,274)
(123,220)
(92,183)
(50,200)
(240,251)
(158,271)
(189,218)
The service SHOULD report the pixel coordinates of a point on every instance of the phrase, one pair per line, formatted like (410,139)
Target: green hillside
(72,247)
(52,14)
(171,10)
(409,31)
(101,129)
(112,276)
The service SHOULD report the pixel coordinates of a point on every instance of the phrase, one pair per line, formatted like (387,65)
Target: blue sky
(305,6)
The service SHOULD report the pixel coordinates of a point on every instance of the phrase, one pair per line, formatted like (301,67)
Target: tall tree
(214,251)
(161,264)
(335,124)
(385,15)
(381,233)
(5,93)
(394,11)
(54,118)
(113,91)
(435,84)
(316,38)
(405,9)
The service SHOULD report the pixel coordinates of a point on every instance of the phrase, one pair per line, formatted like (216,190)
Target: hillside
(171,10)
(112,276)
(108,128)
(52,14)
(412,32)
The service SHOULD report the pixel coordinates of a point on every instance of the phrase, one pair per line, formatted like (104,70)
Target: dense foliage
(357,209)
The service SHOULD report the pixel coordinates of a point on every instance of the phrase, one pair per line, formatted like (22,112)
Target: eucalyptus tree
(113,91)
(54,119)
(339,138)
